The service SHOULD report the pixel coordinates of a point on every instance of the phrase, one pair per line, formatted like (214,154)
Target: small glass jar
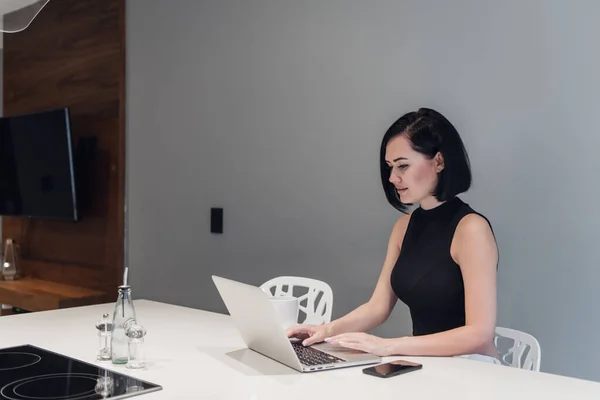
(104,327)
(136,355)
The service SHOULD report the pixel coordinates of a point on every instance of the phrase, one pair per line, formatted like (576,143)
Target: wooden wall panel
(73,55)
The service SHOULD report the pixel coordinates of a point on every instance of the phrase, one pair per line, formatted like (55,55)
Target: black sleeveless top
(425,276)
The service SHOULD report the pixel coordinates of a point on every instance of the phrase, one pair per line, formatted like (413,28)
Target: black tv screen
(37,177)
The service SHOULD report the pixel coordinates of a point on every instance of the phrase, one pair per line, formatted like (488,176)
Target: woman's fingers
(315,338)
(298,330)
(351,345)
(315,333)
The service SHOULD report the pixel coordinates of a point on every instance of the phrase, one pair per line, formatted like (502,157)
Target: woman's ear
(439,162)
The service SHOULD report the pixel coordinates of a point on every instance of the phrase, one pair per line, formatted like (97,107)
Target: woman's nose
(394,178)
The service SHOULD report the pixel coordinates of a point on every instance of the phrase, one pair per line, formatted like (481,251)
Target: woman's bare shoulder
(473,224)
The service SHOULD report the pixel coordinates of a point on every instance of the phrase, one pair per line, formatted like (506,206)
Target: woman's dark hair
(429,132)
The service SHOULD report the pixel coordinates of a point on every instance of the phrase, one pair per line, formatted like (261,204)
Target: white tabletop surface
(195,354)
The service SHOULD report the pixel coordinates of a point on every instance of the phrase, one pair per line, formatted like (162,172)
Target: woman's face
(414,175)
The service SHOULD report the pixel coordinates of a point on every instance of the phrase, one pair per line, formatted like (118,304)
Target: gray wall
(274,110)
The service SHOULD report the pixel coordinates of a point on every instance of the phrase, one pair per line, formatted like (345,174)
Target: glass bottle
(123,316)
(104,327)
(9,261)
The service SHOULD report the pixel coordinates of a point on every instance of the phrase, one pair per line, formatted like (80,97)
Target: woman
(441,258)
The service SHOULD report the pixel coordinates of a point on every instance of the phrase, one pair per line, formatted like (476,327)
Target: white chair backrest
(317,309)
(516,355)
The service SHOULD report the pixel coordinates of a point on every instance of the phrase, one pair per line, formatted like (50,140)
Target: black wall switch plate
(216,220)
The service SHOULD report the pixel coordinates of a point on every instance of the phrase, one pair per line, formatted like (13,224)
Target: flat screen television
(37,176)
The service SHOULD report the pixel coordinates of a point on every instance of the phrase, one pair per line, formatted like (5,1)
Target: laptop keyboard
(310,356)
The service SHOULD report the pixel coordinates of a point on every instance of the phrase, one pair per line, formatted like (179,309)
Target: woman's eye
(402,167)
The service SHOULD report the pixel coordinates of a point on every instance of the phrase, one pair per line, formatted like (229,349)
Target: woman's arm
(474,250)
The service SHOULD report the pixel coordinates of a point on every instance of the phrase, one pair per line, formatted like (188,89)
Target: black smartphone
(393,368)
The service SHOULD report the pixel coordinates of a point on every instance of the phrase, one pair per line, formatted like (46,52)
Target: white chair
(521,342)
(317,309)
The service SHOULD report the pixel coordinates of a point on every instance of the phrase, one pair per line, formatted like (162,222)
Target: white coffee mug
(287,308)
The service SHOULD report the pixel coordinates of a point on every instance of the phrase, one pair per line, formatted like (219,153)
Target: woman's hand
(363,342)
(311,333)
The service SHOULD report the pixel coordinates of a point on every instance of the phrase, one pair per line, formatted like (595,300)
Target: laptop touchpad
(336,349)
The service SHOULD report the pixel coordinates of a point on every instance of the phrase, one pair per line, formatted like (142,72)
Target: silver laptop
(258,323)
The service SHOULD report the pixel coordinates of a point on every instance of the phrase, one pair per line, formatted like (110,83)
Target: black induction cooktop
(32,373)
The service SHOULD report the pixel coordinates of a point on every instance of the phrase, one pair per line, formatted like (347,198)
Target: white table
(195,354)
